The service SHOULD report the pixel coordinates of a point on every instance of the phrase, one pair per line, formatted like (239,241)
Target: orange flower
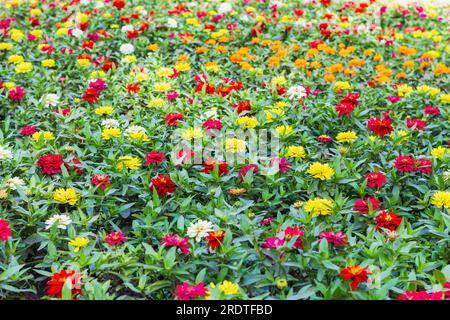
(215,238)
(355,273)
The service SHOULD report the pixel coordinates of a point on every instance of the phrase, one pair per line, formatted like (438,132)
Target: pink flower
(188,292)
(272,243)
(115,238)
(282,164)
(172,95)
(16,94)
(248,167)
(363,205)
(170,240)
(338,239)
(154,157)
(28,130)
(5,231)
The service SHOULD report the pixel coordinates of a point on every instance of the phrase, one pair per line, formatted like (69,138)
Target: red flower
(348,104)
(101,180)
(163,185)
(423,165)
(338,239)
(212,124)
(404,164)
(188,292)
(422,295)
(16,94)
(290,233)
(363,205)
(173,118)
(28,130)
(91,95)
(433,111)
(184,156)
(5,231)
(380,127)
(248,167)
(133,34)
(242,106)
(388,220)
(170,240)
(50,164)
(356,274)
(119,4)
(215,238)
(115,238)
(154,157)
(78,170)
(324,138)
(57,280)
(416,123)
(210,164)
(376,179)
(281,90)
(133,87)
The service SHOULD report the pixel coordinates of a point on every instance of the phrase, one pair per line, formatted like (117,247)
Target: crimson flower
(248,167)
(188,292)
(163,185)
(16,94)
(154,157)
(28,130)
(5,230)
(101,180)
(376,179)
(171,240)
(338,238)
(380,127)
(404,164)
(173,118)
(50,164)
(388,220)
(91,95)
(362,205)
(115,238)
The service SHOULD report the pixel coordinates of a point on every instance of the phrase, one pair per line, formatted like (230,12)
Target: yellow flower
(49,63)
(24,67)
(284,130)
(44,135)
(164,72)
(139,136)
(5,46)
(106,110)
(321,171)
(341,85)
(182,66)
(9,85)
(319,206)
(273,113)
(280,80)
(153,47)
(130,162)
(347,136)
(445,98)
(192,133)
(404,90)
(68,195)
(156,102)
(439,152)
(247,122)
(162,86)
(83,62)
(141,76)
(78,243)
(295,152)
(441,199)
(228,287)
(15,58)
(129,59)
(109,133)
(235,145)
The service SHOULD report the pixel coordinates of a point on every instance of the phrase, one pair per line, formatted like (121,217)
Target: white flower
(61,220)
(110,123)
(5,153)
(297,92)
(85,2)
(134,129)
(51,99)
(77,32)
(14,183)
(224,8)
(126,48)
(127,28)
(172,23)
(199,229)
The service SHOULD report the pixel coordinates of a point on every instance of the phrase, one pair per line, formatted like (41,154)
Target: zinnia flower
(5,231)
(355,273)
(188,292)
(199,229)
(163,185)
(57,281)
(376,179)
(321,171)
(215,238)
(50,164)
(388,220)
(115,238)
(170,240)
